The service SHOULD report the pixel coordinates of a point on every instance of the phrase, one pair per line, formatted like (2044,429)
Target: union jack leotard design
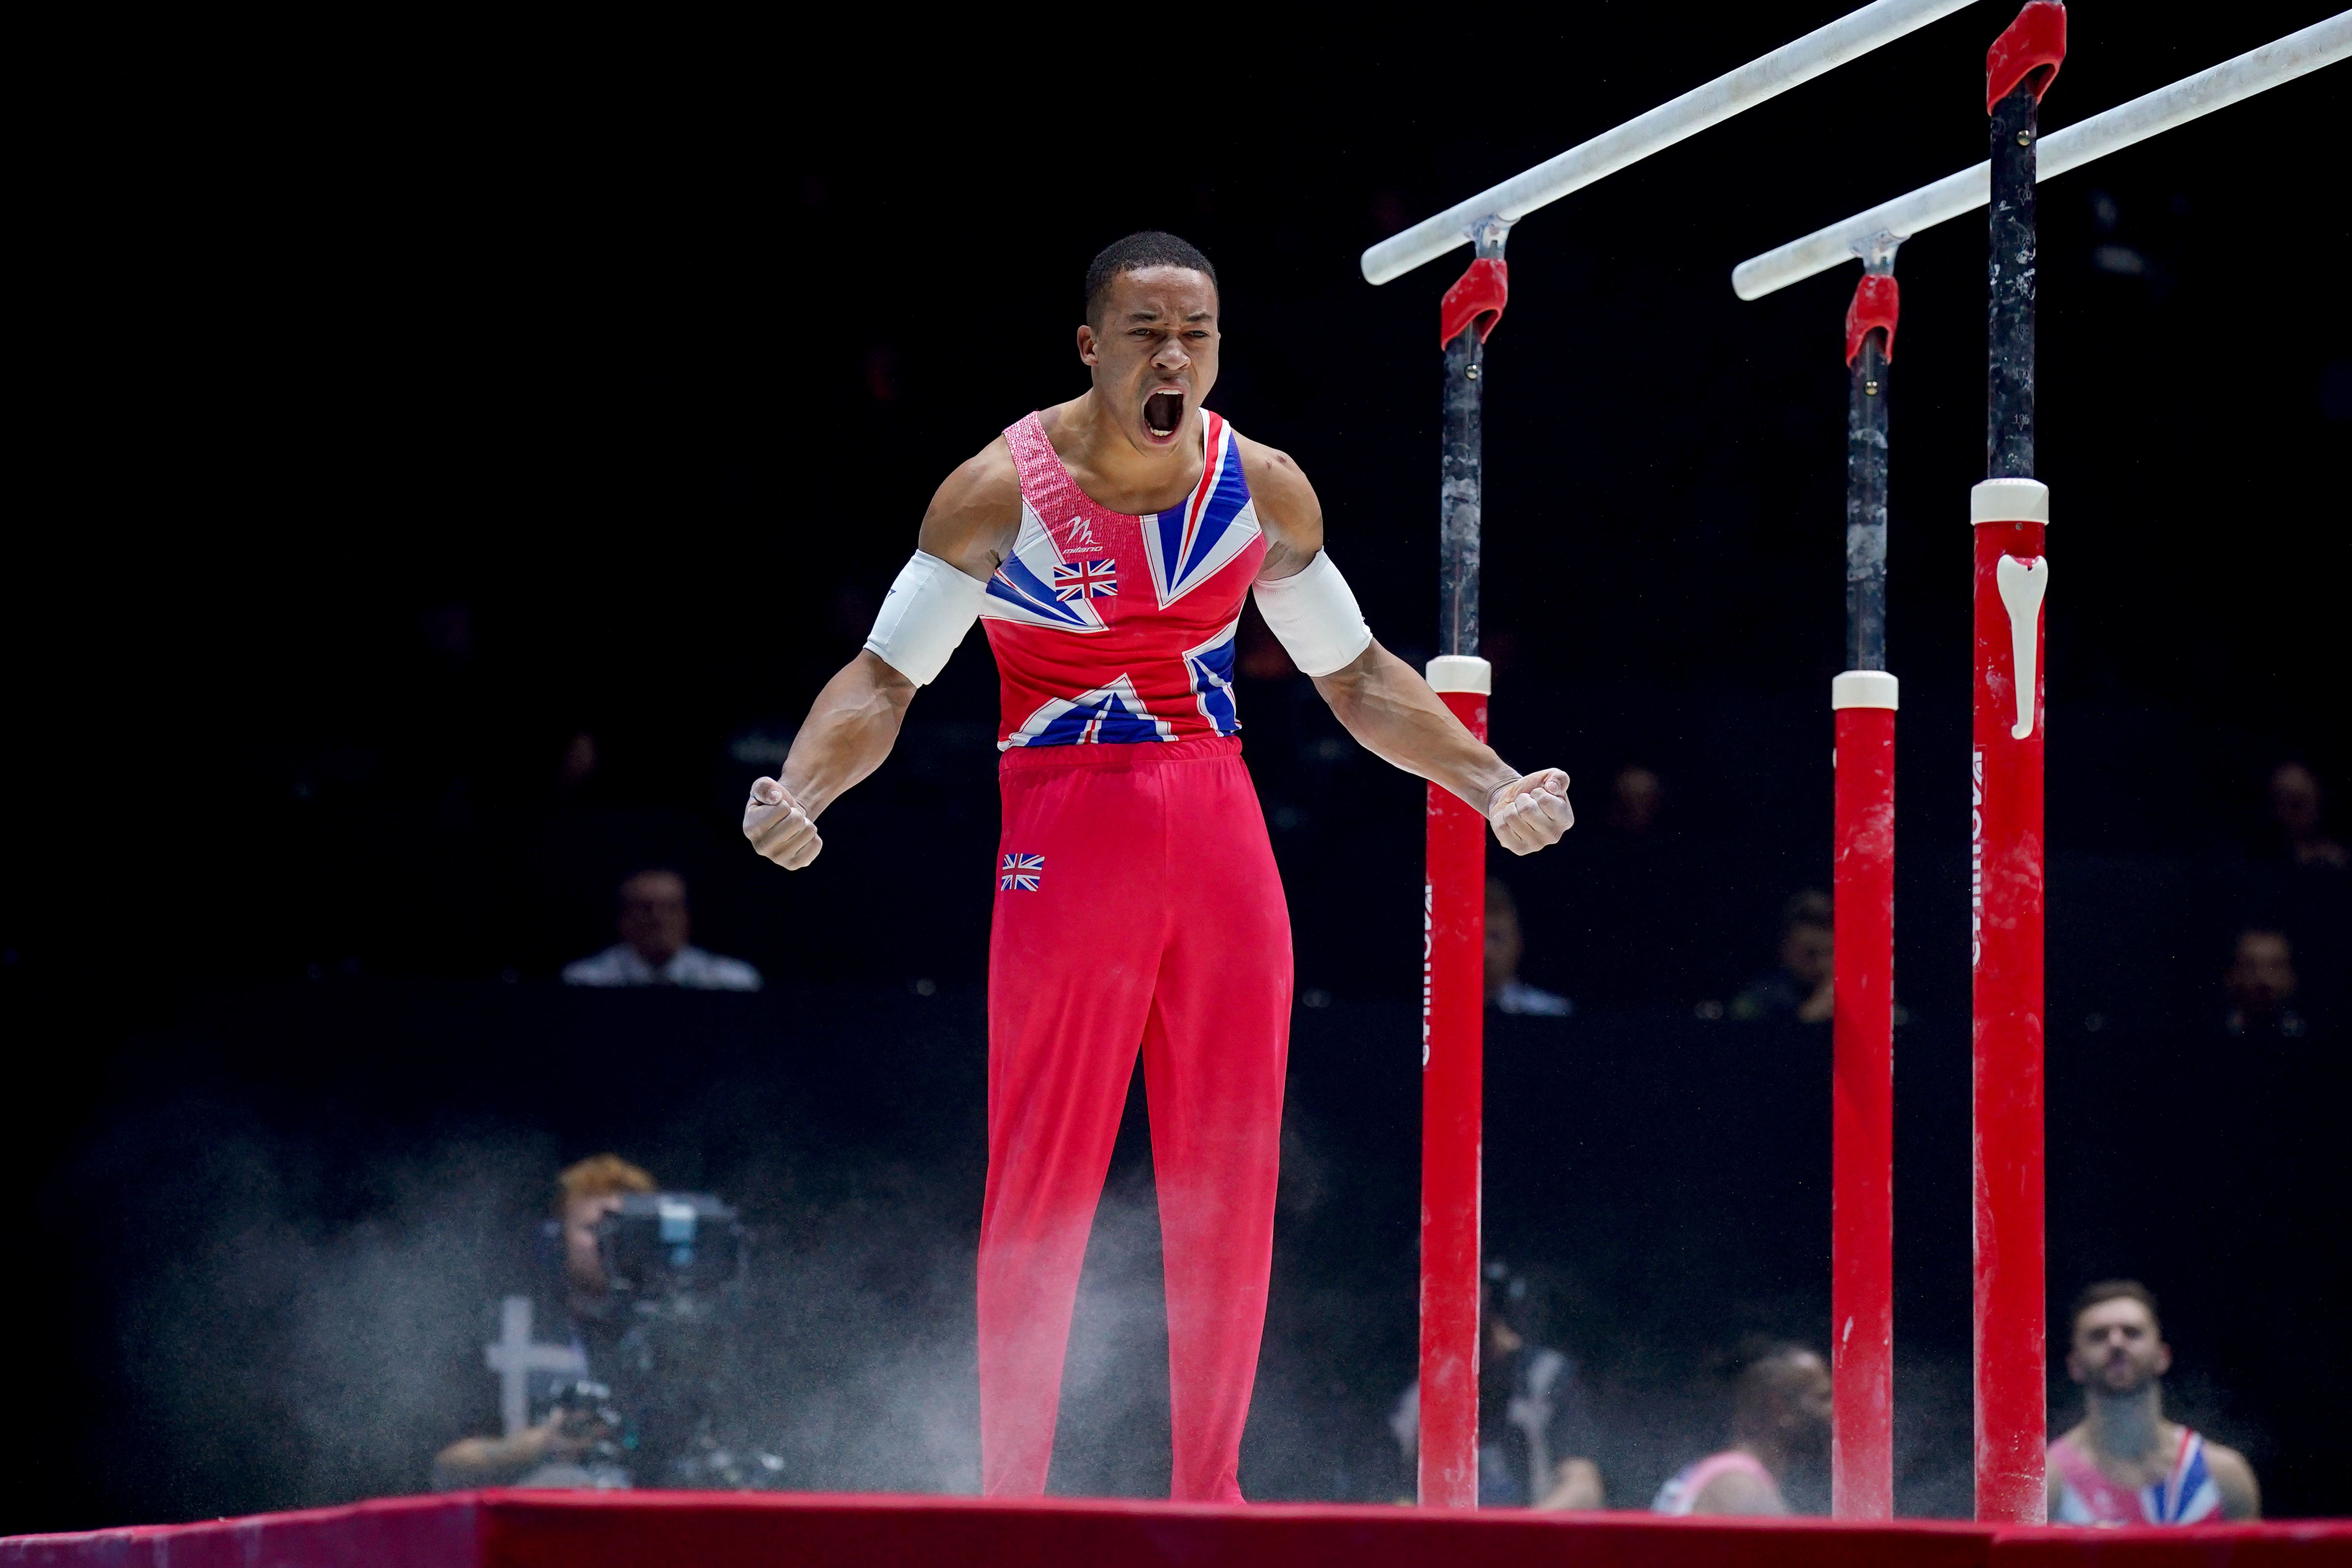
(1082,662)
(2186,1495)
(1162,933)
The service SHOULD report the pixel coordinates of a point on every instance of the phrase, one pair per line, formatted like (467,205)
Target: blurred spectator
(2124,1463)
(548,1447)
(577,765)
(1635,798)
(653,949)
(1505,992)
(1631,915)
(1780,1419)
(1535,1423)
(2262,985)
(1803,987)
(2297,807)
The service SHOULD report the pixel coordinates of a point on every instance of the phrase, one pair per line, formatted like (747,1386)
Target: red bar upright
(1861,1178)
(1862,1089)
(2010,518)
(1453,1078)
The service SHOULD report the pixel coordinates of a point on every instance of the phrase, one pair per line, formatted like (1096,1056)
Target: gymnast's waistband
(1129,756)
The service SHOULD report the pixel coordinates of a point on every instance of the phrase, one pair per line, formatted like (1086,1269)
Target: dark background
(421,405)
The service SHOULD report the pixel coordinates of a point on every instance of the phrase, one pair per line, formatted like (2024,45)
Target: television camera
(665,1338)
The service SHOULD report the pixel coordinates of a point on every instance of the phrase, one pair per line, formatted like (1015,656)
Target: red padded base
(664,1530)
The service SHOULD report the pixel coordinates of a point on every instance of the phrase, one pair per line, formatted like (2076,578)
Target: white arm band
(930,607)
(1315,617)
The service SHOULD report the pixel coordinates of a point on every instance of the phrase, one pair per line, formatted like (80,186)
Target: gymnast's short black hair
(2113,1291)
(1152,247)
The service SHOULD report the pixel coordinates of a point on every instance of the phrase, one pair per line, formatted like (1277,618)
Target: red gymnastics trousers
(1137,906)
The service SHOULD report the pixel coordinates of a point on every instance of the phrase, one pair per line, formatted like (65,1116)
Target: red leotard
(1137,906)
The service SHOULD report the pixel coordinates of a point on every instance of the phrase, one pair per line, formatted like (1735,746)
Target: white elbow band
(930,607)
(1315,617)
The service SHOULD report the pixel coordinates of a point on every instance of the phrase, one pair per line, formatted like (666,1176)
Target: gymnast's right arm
(972,523)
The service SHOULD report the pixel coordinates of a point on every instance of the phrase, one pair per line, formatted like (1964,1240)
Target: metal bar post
(1861,1181)
(1454,910)
(2009,514)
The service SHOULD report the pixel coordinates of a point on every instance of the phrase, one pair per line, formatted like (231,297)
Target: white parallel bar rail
(2297,54)
(1849,37)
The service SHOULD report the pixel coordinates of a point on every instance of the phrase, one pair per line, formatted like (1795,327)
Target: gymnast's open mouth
(1162,412)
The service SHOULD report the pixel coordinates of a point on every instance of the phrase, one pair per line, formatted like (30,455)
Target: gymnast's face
(1803,1389)
(1154,352)
(582,1264)
(2117,1349)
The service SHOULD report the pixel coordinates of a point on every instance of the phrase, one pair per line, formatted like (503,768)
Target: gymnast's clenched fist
(1531,811)
(779,829)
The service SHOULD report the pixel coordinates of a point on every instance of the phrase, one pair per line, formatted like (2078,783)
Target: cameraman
(549,1452)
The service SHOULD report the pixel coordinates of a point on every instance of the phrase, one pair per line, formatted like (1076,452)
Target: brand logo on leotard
(1028,587)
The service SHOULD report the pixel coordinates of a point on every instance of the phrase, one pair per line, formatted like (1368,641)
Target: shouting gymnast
(1108,542)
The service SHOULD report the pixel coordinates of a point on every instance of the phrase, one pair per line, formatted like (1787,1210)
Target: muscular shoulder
(975,515)
(2241,1497)
(1278,486)
(1287,507)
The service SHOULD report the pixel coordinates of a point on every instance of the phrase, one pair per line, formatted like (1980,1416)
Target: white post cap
(1461,673)
(1863,688)
(2010,501)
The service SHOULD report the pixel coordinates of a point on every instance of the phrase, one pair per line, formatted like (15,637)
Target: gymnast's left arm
(1379,698)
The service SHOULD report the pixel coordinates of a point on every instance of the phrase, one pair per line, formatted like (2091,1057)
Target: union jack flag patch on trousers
(1020,873)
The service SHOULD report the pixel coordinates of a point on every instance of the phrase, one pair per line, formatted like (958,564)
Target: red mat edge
(468,1522)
